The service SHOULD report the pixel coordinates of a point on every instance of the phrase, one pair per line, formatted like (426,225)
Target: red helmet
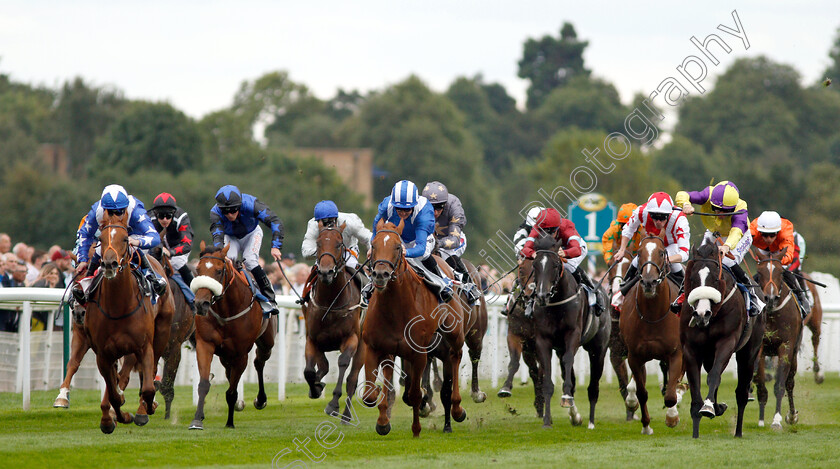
(164,200)
(549,218)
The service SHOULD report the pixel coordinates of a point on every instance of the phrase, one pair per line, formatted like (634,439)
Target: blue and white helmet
(114,197)
(404,194)
(326,209)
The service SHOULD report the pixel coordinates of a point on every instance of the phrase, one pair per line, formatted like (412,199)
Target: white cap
(769,222)
(533,213)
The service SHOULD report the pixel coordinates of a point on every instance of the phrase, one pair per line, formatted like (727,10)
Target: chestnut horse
(120,320)
(183,327)
(714,325)
(649,329)
(404,319)
(521,338)
(782,337)
(332,320)
(563,323)
(234,324)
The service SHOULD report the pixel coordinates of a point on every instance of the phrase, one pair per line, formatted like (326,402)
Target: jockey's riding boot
(79,294)
(446,289)
(265,287)
(591,291)
(798,287)
(186,274)
(756,303)
(676,306)
(630,279)
(157,283)
(457,264)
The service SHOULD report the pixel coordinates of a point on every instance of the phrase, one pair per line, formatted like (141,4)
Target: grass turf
(499,432)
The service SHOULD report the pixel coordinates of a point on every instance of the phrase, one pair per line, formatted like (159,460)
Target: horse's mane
(706,251)
(545,242)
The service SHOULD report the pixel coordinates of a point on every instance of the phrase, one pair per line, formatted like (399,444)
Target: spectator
(288,260)
(48,277)
(299,274)
(39,258)
(272,271)
(7,263)
(16,270)
(62,260)
(5,243)
(24,253)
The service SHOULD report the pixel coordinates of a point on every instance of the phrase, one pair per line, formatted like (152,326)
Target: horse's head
(653,264)
(770,271)
(386,253)
(330,252)
(617,273)
(213,273)
(704,282)
(113,242)
(548,269)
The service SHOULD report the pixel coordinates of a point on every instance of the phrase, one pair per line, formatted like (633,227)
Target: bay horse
(332,320)
(404,319)
(120,320)
(714,325)
(563,323)
(521,338)
(182,329)
(228,322)
(814,323)
(650,330)
(782,337)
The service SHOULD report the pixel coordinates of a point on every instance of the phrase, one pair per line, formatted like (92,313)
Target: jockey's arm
(217,229)
(265,215)
(184,228)
(308,248)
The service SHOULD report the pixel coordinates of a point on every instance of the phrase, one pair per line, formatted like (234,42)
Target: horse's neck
(401,295)
(115,288)
(237,294)
(566,285)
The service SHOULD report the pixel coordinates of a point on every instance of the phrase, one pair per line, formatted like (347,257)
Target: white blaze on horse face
(770,268)
(649,247)
(385,241)
(544,262)
(113,233)
(704,304)
(208,265)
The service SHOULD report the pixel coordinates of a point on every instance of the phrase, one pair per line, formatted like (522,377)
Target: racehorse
(120,320)
(182,329)
(404,319)
(228,322)
(521,338)
(649,329)
(332,320)
(714,325)
(564,322)
(783,334)
(814,323)
(618,349)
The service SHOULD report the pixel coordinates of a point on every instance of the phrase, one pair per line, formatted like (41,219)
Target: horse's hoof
(479,397)
(546,425)
(383,429)
(230,426)
(61,403)
(315,390)
(708,410)
(591,426)
(631,414)
(239,406)
(504,392)
(819,377)
(141,419)
(720,409)
(196,425)
(647,431)
(672,422)
(462,417)
(330,409)
(425,411)
(108,429)
(792,419)
(447,428)
(761,424)
(260,405)
(575,418)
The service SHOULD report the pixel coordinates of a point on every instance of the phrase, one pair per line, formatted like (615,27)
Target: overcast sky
(195,54)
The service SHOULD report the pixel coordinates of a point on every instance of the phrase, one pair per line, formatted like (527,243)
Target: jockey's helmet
(549,218)
(164,202)
(114,197)
(228,197)
(404,195)
(436,192)
(769,222)
(659,202)
(533,213)
(625,212)
(724,196)
(326,209)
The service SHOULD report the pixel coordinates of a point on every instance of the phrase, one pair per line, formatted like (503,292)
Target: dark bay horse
(649,329)
(714,325)
(618,349)
(521,338)
(228,322)
(183,327)
(563,323)
(405,320)
(332,320)
(120,320)
(783,334)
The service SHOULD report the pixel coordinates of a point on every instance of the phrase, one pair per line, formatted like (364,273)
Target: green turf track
(497,433)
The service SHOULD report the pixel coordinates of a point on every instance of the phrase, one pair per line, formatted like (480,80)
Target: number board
(592,215)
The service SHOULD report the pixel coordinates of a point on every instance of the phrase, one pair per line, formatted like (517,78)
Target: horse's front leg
(415,395)
(544,359)
(515,351)
(761,388)
(237,367)
(637,366)
(779,386)
(427,405)
(723,352)
(348,350)
(475,346)
(675,367)
(147,389)
(79,345)
(312,354)
(568,360)
(111,398)
(692,373)
(352,382)
(264,344)
(383,424)
(203,358)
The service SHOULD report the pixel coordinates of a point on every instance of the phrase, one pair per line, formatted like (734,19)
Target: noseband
(110,247)
(225,262)
(663,270)
(338,262)
(390,264)
(553,290)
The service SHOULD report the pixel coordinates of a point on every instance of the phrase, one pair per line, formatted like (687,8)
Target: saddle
(434,287)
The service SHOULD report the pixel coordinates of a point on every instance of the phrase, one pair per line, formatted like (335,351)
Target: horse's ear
(781,254)
(342,227)
(695,251)
(380,224)
(225,250)
(401,226)
(759,256)
(320,225)
(202,246)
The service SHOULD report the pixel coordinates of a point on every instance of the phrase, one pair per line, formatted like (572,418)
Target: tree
(833,70)
(550,63)
(151,135)
(586,103)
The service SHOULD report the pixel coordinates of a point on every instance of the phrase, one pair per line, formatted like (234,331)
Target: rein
(226,263)
(400,259)
(770,280)
(343,307)
(553,290)
(120,266)
(663,273)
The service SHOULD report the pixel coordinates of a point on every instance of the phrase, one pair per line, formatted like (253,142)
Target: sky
(195,54)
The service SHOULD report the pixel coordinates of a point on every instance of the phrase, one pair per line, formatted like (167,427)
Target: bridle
(556,283)
(227,265)
(664,269)
(400,258)
(122,262)
(338,262)
(773,283)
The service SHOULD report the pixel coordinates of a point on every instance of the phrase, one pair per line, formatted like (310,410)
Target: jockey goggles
(439,206)
(659,216)
(227,210)
(118,212)
(769,235)
(165,214)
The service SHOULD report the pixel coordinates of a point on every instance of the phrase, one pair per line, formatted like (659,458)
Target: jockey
(116,201)
(418,234)
(573,249)
(234,220)
(772,233)
(521,235)
(327,215)
(613,233)
(733,224)
(177,240)
(657,216)
(449,232)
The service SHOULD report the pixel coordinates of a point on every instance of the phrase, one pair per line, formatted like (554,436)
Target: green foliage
(586,103)
(832,72)
(151,136)
(550,63)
